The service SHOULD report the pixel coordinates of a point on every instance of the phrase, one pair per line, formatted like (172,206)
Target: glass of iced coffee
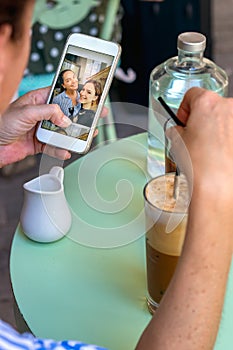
(166,219)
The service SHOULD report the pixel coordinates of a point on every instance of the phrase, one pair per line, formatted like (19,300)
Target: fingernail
(66,121)
(68,156)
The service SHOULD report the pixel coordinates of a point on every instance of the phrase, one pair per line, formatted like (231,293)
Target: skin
(10,78)
(17,134)
(190,311)
(87,95)
(18,122)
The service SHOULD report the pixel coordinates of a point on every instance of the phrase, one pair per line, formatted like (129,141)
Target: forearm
(189,314)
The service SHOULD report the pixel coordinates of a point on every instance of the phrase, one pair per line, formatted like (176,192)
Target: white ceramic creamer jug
(45,215)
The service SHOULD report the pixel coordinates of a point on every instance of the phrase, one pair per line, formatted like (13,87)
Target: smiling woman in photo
(190,312)
(68,99)
(89,98)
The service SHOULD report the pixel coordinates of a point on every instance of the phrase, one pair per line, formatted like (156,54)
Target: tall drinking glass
(166,220)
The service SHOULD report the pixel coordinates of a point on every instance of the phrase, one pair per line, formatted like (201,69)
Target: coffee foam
(161,209)
(159,192)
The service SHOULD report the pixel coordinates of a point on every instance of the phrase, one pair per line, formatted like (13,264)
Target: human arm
(18,127)
(190,311)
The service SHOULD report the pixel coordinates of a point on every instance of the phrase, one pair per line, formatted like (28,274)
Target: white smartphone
(80,87)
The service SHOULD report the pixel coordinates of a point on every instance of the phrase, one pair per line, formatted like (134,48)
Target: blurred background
(147,32)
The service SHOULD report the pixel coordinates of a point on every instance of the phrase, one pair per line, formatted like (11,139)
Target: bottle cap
(191,42)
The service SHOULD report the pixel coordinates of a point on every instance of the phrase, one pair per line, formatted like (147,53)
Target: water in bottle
(171,80)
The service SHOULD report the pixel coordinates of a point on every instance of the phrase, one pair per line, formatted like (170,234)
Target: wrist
(211,216)
(214,187)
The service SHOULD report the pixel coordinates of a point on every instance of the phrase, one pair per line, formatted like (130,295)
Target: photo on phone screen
(78,89)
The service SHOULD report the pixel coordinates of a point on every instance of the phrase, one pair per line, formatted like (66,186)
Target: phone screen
(78,89)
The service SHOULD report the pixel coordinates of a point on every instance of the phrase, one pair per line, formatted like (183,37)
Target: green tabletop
(91,285)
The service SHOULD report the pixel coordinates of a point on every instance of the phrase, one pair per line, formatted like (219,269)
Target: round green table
(91,284)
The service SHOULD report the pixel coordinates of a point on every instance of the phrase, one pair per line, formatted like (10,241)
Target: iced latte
(166,219)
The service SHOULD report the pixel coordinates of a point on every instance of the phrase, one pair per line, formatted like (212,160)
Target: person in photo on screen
(190,312)
(89,98)
(68,98)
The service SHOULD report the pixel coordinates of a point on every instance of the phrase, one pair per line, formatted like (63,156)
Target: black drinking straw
(170,112)
(178,122)
(177,171)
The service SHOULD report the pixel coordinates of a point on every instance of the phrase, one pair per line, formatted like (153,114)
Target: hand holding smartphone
(80,87)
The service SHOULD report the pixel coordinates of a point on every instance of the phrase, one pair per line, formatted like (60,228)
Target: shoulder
(59,97)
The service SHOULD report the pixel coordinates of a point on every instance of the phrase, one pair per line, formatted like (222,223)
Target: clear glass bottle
(171,80)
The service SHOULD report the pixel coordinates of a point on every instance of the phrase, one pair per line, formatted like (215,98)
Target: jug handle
(58,172)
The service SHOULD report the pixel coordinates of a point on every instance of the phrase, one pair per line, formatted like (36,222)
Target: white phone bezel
(96,45)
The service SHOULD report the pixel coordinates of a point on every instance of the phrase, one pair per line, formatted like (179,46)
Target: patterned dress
(12,340)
